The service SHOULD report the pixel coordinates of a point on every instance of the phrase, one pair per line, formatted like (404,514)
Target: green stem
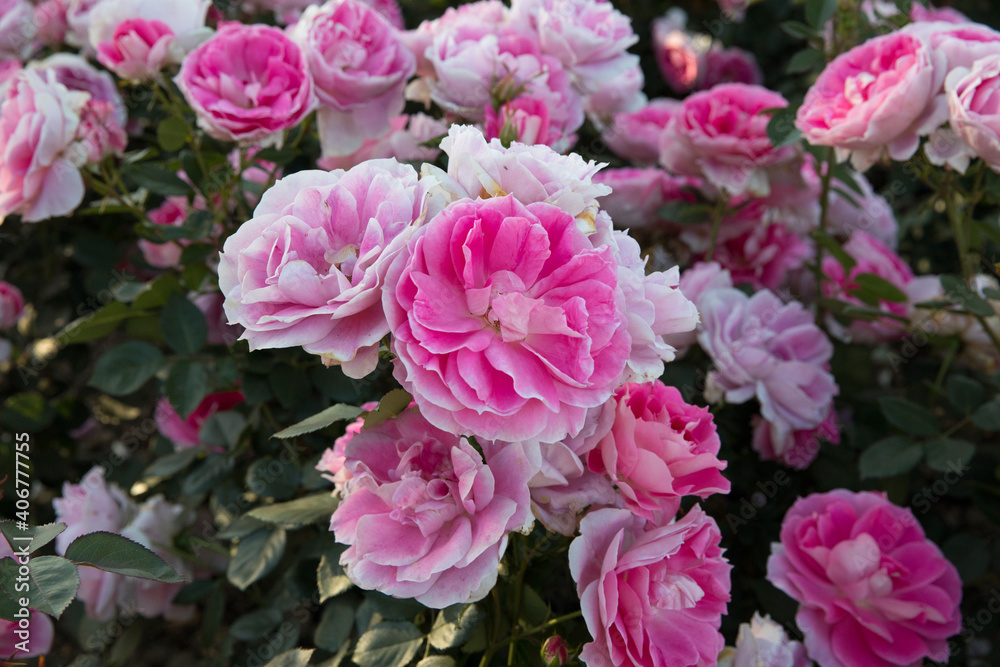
(721,206)
(955,218)
(824,209)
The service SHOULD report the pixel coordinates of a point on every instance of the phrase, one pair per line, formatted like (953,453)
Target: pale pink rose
(425,516)
(652,595)
(696,281)
(138,50)
(38,634)
(796,449)
(873,590)
(487,16)
(184,432)
(185,19)
(17,29)
(794,198)
(100,134)
(524,119)
(220,332)
(507,323)
(621,94)
(659,450)
(635,136)
(919,12)
(76,73)
(760,254)
(359,68)
(403,142)
(870,256)
(307,270)
(8,70)
(155,525)
(730,65)
(590,38)
(763,643)
(50,18)
(872,99)
(287,12)
(735,9)
(171,213)
(721,136)
(477,168)
(974,107)
(78,22)
(39,118)
(331,463)
(637,195)
(89,507)
(867,212)
(762,347)
(563,487)
(11,305)
(248,83)
(678,53)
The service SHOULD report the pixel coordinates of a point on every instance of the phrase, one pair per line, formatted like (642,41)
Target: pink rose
(760,254)
(763,643)
(506,322)
(483,17)
(100,134)
(332,462)
(695,282)
(658,450)
(39,118)
(138,49)
(563,487)
(307,270)
(287,12)
(171,213)
(919,13)
(50,17)
(677,53)
(76,73)
(867,212)
(729,66)
(635,136)
(735,9)
(248,83)
(870,256)
(721,136)
(873,590)
(621,94)
(796,449)
(871,99)
(425,516)
(403,142)
(524,119)
(974,107)
(762,347)
(184,433)
(637,195)
(651,595)
(220,332)
(359,67)
(17,29)
(11,305)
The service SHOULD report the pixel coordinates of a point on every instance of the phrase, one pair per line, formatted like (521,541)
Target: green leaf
(454,625)
(126,368)
(848,177)
(297,513)
(28,411)
(943,454)
(195,591)
(437,661)
(295,658)
(334,625)
(290,385)
(270,477)
(391,405)
(962,296)
(114,553)
(880,287)
(818,12)
(332,414)
(781,128)
(964,393)
(255,625)
(970,554)
(889,457)
(805,61)
(171,464)
(155,178)
(95,325)
(830,245)
(909,417)
(390,644)
(987,416)
(52,583)
(330,575)
(36,536)
(157,292)
(256,555)
(210,473)
(799,30)
(186,385)
(222,429)
(685,213)
(172,134)
(184,327)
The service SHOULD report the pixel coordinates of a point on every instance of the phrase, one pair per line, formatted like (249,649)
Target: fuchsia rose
(424,516)
(873,590)
(138,50)
(506,322)
(248,83)
(11,305)
(39,118)
(729,66)
(307,270)
(184,432)
(872,99)
(796,449)
(974,107)
(762,347)
(677,53)
(955,45)
(40,626)
(870,256)
(658,450)
(637,195)
(171,213)
(721,136)
(763,643)
(524,119)
(635,136)
(652,595)
(760,254)
(359,67)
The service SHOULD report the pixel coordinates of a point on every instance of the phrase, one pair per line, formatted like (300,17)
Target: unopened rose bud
(555,653)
